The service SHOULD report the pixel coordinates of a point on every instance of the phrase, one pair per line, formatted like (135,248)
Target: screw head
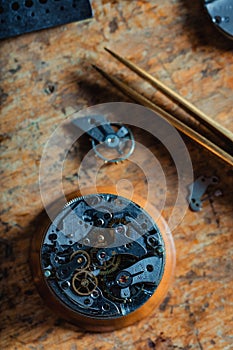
(47,273)
(101,238)
(160,249)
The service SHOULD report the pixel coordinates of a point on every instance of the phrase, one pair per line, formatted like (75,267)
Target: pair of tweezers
(214,136)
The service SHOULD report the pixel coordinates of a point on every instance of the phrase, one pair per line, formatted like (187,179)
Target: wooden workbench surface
(47,75)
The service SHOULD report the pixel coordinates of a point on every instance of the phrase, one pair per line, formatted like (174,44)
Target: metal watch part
(101,258)
(197,190)
(24,16)
(112,142)
(221,14)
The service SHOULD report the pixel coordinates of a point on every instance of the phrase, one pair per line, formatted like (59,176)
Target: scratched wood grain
(46,76)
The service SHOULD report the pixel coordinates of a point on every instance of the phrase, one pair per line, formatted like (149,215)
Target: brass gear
(117,221)
(84,282)
(110,265)
(80,254)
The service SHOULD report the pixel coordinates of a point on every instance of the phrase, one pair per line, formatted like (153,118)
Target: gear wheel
(84,282)
(108,266)
(82,258)
(117,221)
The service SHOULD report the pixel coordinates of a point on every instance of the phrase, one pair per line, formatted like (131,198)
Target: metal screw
(99,222)
(120,229)
(100,238)
(86,241)
(47,273)
(160,250)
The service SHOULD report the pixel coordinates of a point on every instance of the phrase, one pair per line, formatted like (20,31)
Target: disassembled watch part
(112,142)
(221,13)
(101,261)
(198,188)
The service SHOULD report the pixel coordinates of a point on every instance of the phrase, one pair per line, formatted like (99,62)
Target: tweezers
(216,138)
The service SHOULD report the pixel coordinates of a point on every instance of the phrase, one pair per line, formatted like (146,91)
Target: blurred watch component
(102,258)
(221,13)
(197,190)
(112,142)
(24,16)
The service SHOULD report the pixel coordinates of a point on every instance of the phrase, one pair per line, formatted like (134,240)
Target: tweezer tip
(110,51)
(99,70)
(95,67)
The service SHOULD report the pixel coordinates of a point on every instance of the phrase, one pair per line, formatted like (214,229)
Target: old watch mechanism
(101,258)
(112,142)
